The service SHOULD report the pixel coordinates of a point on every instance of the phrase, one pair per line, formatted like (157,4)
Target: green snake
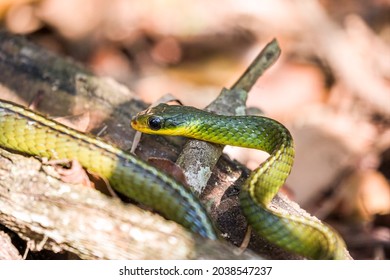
(25,131)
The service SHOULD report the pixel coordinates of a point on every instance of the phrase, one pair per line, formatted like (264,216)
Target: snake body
(28,132)
(305,236)
(25,131)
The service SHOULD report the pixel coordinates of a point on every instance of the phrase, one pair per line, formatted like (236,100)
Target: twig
(229,102)
(266,58)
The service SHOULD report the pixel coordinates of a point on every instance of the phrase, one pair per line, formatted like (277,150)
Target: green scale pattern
(27,132)
(303,235)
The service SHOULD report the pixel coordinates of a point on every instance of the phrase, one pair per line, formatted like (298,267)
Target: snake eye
(155,123)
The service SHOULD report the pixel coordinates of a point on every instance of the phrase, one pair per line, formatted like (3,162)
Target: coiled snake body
(305,236)
(28,132)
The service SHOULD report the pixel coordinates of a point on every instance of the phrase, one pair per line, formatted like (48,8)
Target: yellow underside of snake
(28,132)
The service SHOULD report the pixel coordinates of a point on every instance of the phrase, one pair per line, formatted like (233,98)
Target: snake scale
(28,132)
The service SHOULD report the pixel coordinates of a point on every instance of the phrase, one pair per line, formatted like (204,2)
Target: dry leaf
(366,194)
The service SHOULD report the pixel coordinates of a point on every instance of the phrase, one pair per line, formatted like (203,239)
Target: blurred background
(330,87)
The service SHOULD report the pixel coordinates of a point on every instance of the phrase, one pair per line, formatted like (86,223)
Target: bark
(7,249)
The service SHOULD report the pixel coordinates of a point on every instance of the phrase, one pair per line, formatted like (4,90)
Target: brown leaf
(76,174)
(170,168)
(367,193)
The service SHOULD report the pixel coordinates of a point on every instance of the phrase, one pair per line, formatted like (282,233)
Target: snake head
(162,119)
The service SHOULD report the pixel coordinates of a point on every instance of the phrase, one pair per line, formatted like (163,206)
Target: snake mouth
(139,123)
(135,124)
